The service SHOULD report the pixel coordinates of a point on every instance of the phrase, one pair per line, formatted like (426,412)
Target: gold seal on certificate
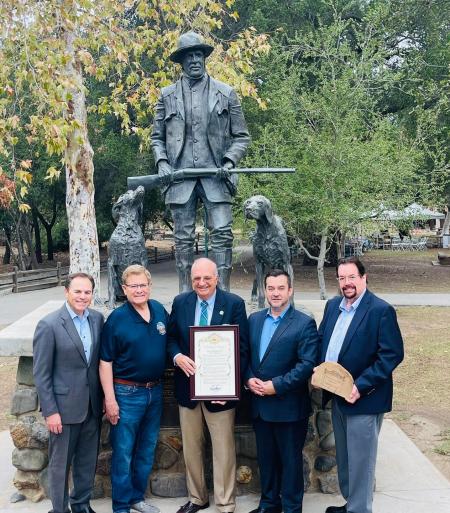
(215,350)
(333,377)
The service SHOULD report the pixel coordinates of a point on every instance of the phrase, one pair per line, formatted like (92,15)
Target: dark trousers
(76,447)
(280,461)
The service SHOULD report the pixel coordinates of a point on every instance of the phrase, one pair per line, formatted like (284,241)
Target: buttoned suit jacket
(66,383)
(228,309)
(227,134)
(372,349)
(288,361)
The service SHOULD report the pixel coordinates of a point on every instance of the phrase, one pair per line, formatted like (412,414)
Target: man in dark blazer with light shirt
(283,353)
(65,367)
(206,305)
(361,333)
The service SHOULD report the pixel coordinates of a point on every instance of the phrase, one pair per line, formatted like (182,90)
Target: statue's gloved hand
(231,180)
(165,172)
(223,173)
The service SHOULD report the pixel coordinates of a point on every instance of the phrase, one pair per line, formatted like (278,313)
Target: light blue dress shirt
(198,309)
(83,328)
(271,323)
(341,328)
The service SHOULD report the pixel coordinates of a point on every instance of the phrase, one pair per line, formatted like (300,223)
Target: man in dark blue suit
(205,305)
(283,352)
(360,332)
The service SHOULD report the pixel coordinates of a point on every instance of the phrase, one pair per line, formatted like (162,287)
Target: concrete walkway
(407,482)
(15,306)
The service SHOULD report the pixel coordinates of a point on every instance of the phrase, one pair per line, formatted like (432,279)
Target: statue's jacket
(226,131)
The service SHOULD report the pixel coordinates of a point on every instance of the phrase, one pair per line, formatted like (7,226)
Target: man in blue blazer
(360,332)
(205,305)
(283,352)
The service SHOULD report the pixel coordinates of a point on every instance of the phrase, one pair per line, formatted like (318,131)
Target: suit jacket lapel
(334,315)
(219,306)
(179,98)
(190,309)
(285,321)
(256,340)
(212,96)
(360,313)
(72,332)
(94,338)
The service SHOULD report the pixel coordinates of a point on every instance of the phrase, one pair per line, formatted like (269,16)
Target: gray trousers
(218,218)
(356,454)
(76,447)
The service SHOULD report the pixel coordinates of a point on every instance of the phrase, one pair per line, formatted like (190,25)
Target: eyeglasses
(138,286)
(351,278)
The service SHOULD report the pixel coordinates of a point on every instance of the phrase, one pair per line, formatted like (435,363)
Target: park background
(353,94)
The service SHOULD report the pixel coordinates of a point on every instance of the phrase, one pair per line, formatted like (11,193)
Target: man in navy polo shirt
(132,362)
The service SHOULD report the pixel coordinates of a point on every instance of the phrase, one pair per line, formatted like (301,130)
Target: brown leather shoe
(190,507)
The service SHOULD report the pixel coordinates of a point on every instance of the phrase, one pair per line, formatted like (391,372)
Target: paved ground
(14,306)
(406,483)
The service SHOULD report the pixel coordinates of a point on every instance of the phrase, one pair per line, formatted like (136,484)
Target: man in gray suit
(65,368)
(199,124)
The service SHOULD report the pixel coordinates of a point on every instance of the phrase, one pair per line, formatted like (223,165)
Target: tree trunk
(37,236)
(340,245)
(48,226)
(83,239)
(21,264)
(7,255)
(27,237)
(50,248)
(321,264)
(320,261)
(446,225)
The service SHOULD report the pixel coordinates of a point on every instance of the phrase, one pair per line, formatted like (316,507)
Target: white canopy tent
(413,211)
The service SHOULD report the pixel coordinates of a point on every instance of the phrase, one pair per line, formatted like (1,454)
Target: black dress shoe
(83,509)
(336,509)
(266,510)
(190,507)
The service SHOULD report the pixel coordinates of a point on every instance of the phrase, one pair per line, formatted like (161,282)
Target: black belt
(149,384)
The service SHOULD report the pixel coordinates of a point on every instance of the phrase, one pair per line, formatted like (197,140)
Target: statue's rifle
(153,181)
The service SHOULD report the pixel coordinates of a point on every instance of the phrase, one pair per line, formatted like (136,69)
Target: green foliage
(324,119)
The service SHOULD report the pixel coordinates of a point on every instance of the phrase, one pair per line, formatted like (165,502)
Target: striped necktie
(204,313)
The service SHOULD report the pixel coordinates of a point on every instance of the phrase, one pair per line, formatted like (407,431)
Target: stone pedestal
(30,435)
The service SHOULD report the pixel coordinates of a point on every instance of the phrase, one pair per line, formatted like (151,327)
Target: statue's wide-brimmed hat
(187,42)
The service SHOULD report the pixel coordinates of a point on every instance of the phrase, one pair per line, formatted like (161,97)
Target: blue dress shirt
(83,328)
(271,323)
(198,309)
(341,328)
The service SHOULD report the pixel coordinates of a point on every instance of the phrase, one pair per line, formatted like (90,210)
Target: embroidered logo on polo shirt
(161,327)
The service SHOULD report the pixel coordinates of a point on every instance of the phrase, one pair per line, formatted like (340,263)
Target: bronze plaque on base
(333,377)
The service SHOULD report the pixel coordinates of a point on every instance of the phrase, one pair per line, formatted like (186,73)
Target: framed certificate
(215,351)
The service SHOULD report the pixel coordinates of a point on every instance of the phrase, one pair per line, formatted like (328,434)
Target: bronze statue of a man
(199,124)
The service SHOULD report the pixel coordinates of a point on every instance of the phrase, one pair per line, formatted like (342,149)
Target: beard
(349,291)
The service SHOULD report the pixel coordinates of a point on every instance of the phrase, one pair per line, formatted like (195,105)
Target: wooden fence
(23,281)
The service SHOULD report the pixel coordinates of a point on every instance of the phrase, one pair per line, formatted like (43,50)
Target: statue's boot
(184,260)
(223,261)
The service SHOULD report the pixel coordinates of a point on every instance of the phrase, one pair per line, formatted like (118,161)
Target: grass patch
(422,379)
(444,447)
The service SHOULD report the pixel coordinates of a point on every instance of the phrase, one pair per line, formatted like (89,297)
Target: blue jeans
(133,442)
